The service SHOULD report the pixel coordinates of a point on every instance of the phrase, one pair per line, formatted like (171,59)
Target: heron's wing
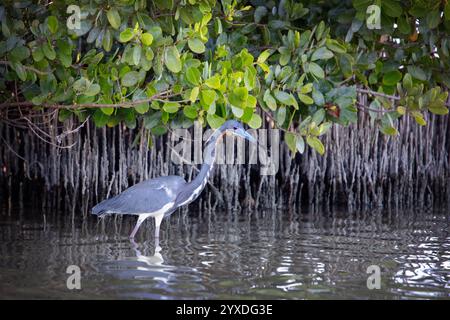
(145,197)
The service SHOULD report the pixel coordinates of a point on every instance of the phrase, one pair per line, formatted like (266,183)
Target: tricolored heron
(160,197)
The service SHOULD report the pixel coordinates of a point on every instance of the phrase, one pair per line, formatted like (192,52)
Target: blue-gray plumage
(160,197)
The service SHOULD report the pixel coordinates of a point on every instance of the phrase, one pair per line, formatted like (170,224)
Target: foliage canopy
(299,63)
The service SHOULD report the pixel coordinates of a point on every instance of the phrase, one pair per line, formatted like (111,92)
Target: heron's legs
(138,224)
(158,219)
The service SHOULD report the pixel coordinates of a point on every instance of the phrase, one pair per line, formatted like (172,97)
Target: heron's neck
(195,187)
(209,157)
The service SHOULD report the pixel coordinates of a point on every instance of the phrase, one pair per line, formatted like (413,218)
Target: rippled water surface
(222,255)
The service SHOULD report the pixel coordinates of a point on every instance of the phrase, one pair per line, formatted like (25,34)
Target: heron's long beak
(244,134)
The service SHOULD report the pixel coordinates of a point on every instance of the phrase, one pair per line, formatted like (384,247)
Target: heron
(160,197)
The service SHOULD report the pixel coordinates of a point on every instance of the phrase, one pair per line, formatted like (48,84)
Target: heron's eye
(235,128)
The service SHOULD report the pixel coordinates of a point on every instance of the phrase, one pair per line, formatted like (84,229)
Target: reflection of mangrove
(361,166)
(303,255)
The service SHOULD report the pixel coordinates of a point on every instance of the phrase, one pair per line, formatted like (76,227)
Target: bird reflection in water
(155,260)
(149,267)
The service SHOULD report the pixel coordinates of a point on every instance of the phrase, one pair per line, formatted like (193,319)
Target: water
(264,255)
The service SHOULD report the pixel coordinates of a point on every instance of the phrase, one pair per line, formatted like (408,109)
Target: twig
(12,150)
(375,93)
(42,73)
(274,121)
(164,94)
(66,133)
(49,142)
(384,95)
(365,108)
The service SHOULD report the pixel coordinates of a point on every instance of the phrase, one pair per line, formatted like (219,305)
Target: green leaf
(130,79)
(285,58)
(238,97)
(318,97)
(316,144)
(92,90)
(194,94)
(255,121)
(154,104)
(417,72)
(419,119)
(433,19)
(260,12)
(300,144)
(20,70)
(391,78)
(137,51)
(264,67)
(152,120)
(404,24)
(100,118)
(322,54)
(218,25)
(196,45)
(190,112)
(291,141)
(37,100)
(149,54)
(388,130)
(48,50)
(286,98)
(401,110)
(147,39)
(318,116)
(19,54)
(251,102)
(137,55)
(172,59)
(407,82)
(114,18)
(320,29)
(270,100)
(307,88)
(305,99)
(237,112)
(52,24)
(171,107)
(126,35)
(159,130)
(263,56)
(438,110)
(361,5)
(281,116)
(447,11)
(143,107)
(316,70)
(107,41)
(207,98)
(213,82)
(80,85)
(107,111)
(391,8)
(324,127)
(335,46)
(250,77)
(215,121)
(246,115)
(37,54)
(193,76)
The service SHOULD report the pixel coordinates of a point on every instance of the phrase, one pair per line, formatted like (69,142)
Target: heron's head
(236,128)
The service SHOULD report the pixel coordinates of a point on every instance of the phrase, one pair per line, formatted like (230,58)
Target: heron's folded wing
(145,197)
